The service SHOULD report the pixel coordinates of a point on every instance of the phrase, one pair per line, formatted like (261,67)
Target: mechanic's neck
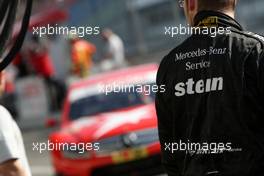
(230,13)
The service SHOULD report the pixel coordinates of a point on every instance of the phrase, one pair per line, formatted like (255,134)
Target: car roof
(117,75)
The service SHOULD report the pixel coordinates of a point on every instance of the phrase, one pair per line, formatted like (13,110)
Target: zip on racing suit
(210,118)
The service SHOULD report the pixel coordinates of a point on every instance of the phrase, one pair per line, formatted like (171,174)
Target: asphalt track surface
(40,164)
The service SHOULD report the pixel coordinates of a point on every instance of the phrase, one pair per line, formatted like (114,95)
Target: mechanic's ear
(192,4)
(235,3)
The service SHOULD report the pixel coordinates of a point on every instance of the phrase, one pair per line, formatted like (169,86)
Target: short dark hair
(216,4)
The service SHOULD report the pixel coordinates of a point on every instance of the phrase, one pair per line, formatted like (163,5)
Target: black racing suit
(210,118)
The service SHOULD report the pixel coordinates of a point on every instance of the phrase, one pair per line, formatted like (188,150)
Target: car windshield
(100,103)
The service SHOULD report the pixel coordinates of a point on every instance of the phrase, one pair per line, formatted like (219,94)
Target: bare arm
(12,168)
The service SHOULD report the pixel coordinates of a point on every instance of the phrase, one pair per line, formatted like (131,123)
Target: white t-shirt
(11,142)
(116,49)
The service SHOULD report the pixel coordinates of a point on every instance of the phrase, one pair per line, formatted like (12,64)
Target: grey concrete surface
(40,164)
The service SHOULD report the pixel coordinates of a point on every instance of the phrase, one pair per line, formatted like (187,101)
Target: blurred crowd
(35,60)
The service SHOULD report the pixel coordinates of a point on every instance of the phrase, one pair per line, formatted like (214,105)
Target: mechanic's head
(106,34)
(73,37)
(192,7)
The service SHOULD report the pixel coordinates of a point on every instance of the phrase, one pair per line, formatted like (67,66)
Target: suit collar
(214,18)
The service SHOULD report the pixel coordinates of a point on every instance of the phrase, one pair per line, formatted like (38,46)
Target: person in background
(39,58)
(21,65)
(82,53)
(13,160)
(114,55)
(41,63)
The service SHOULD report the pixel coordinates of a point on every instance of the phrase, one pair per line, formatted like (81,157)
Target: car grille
(129,140)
